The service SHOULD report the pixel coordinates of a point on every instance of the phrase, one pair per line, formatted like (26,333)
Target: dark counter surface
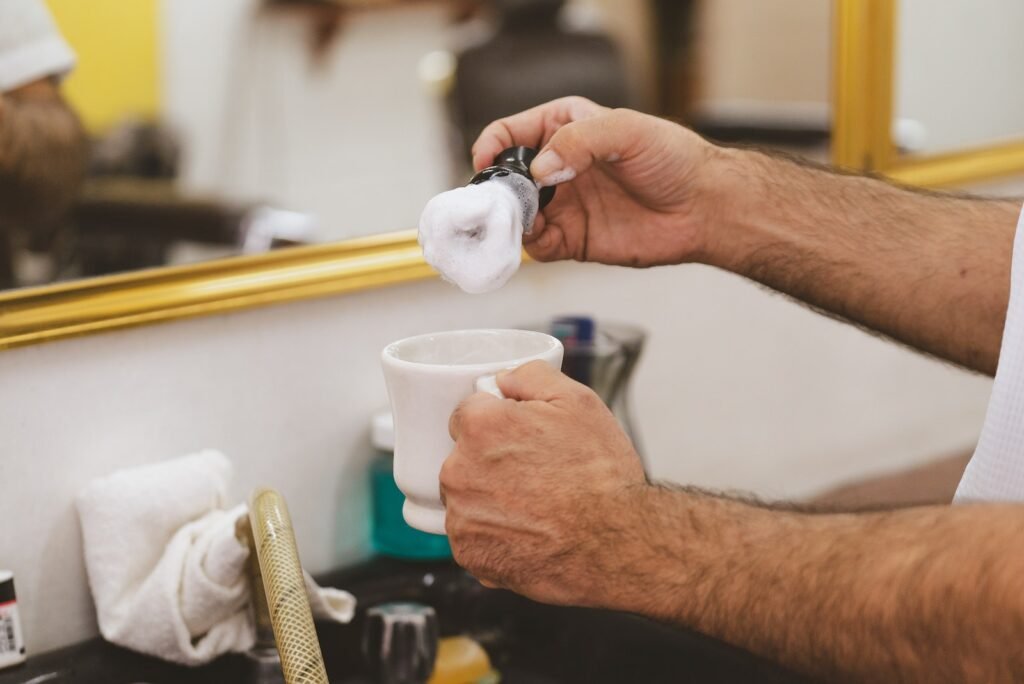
(527,642)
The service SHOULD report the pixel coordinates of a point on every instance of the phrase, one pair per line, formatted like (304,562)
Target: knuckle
(497,125)
(465,421)
(470,550)
(453,527)
(447,483)
(466,428)
(536,365)
(492,566)
(567,137)
(622,116)
(549,255)
(541,254)
(577,103)
(459,552)
(451,475)
(580,107)
(462,553)
(455,423)
(473,420)
(587,399)
(620,119)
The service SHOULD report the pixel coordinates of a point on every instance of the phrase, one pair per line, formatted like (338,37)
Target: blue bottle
(391,535)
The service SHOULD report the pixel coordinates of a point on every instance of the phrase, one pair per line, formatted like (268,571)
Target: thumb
(576,146)
(537,381)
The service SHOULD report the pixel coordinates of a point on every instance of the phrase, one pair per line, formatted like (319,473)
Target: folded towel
(166,569)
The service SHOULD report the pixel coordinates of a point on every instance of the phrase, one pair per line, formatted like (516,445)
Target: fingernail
(548,163)
(563,176)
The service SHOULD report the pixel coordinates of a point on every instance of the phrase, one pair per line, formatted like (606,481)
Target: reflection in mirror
(955,63)
(244,125)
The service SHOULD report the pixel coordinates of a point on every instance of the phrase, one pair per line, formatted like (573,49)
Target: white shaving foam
(561,176)
(473,235)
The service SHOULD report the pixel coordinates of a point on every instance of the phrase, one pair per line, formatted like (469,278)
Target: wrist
(683,560)
(646,562)
(731,193)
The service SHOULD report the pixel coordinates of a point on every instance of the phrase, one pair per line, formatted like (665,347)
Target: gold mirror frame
(53,312)
(864,37)
(863,83)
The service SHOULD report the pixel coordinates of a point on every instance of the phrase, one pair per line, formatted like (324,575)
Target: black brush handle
(514,160)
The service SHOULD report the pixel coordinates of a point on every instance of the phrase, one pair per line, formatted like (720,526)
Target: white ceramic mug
(427,376)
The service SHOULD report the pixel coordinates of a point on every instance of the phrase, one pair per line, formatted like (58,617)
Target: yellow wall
(116,43)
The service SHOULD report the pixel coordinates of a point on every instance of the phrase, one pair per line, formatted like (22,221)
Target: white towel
(166,570)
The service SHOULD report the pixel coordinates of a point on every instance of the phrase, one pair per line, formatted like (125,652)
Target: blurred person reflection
(533,56)
(42,143)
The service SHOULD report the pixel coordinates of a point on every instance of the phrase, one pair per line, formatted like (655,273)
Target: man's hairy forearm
(931,270)
(42,154)
(921,594)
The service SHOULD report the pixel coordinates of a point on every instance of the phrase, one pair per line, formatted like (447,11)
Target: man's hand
(629,192)
(928,269)
(546,497)
(540,487)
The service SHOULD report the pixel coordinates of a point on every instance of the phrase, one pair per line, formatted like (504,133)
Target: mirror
(238,127)
(315,130)
(923,90)
(954,63)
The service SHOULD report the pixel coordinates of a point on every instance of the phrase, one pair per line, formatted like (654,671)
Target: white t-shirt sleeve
(31,47)
(996,471)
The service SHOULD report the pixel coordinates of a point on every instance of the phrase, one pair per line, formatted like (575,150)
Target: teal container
(391,535)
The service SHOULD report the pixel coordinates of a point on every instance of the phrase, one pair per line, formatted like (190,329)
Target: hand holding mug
(427,376)
(539,486)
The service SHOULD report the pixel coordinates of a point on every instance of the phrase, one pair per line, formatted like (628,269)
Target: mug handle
(489,384)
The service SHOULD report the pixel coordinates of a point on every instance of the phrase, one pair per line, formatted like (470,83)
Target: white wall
(738,389)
